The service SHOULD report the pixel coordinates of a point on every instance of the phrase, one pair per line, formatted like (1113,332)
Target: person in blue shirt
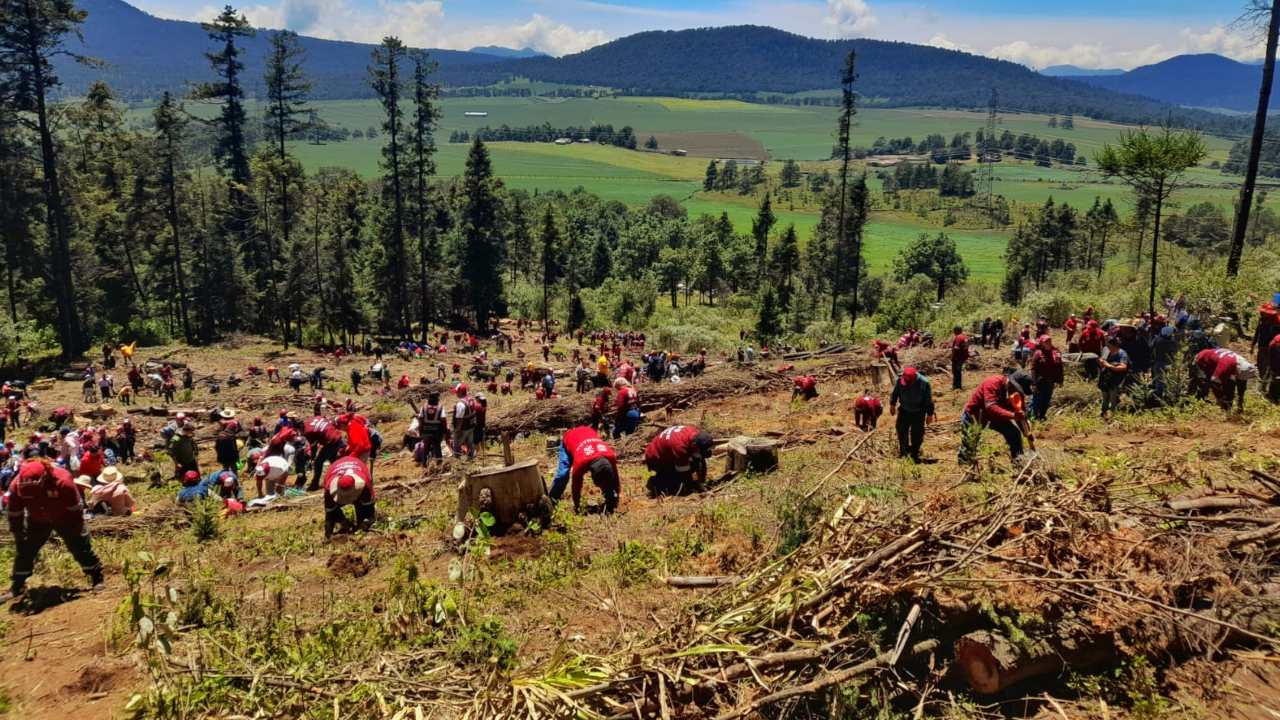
(1114,365)
(195,488)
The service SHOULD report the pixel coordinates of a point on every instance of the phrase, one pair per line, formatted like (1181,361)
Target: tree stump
(990,662)
(510,494)
(751,454)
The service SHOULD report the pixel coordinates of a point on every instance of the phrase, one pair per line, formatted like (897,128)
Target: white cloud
(540,33)
(849,17)
(942,41)
(1223,41)
(419,23)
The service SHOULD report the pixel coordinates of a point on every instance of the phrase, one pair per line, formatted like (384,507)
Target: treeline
(935,145)
(1058,238)
(953,180)
(744,179)
(1268,160)
(624,137)
(1026,146)
(114,232)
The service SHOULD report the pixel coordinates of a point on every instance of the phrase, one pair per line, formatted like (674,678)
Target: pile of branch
(566,412)
(948,587)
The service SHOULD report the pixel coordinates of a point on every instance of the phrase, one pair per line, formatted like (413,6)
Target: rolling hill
(145,55)
(1204,81)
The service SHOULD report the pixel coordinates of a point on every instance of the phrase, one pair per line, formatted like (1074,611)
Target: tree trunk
(1102,253)
(58,224)
(1255,145)
(1155,247)
(174,226)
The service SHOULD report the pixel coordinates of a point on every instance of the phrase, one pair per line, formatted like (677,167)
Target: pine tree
(482,244)
(844,251)
(786,255)
(31,33)
(761,226)
(768,322)
(711,181)
(426,115)
(388,84)
(287,90)
(552,270)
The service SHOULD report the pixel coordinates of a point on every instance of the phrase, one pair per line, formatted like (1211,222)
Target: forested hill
(145,55)
(751,59)
(1208,81)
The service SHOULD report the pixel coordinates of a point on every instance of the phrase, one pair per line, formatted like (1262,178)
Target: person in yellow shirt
(126,351)
(602,364)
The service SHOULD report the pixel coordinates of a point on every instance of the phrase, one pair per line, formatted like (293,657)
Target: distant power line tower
(988,156)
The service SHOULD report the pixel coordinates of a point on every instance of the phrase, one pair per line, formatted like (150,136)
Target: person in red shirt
(1046,373)
(581,452)
(600,407)
(997,403)
(1225,373)
(359,444)
(348,482)
(677,457)
(326,445)
(91,462)
(1273,357)
(889,353)
(1091,341)
(1071,326)
(867,410)
(43,499)
(959,356)
(806,386)
(626,409)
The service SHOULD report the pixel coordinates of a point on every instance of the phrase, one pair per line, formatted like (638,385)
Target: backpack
(431,421)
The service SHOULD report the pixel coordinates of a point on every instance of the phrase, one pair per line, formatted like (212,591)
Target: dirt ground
(59,659)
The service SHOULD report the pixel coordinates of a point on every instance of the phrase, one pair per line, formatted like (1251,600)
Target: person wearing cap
(270,472)
(998,403)
(677,457)
(1268,329)
(108,495)
(1113,368)
(959,356)
(600,407)
(867,410)
(582,451)
(626,409)
(43,500)
(230,492)
(92,461)
(195,487)
(326,444)
(348,482)
(1092,339)
(359,444)
(464,418)
(804,386)
(1046,373)
(1225,372)
(912,403)
(887,352)
(433,426)
(182,448)
(258,434)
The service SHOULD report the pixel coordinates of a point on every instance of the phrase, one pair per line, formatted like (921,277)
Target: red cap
(460,390)
(909,376)
(190,476)
(346,482)
(31,469)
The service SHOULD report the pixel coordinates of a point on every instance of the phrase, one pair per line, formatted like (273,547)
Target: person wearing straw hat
(225,446)
(347,482)
(43,500)
(109,495)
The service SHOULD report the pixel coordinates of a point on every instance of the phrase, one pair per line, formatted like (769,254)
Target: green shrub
(797,515)
(485,643)
(205,518)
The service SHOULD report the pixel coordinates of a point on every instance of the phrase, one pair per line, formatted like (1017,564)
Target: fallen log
(1266,534)
(701,581)
(990,662)
(1214,502)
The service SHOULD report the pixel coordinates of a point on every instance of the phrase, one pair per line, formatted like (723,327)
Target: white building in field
(475,113)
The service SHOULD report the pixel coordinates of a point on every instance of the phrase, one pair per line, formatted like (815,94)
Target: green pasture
(788,132)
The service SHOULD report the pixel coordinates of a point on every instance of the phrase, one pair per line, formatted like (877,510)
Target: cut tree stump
(754,454)
(990,662)
(512,494)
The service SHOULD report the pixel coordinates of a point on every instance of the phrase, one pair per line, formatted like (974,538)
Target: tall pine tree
(287,90)
(483,251)
(388,84)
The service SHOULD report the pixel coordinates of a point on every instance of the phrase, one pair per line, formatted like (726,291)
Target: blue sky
(1089,33)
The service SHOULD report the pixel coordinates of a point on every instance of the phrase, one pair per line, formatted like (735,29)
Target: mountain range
(504,52)
(1076,71)
(144,55)
(1204,81)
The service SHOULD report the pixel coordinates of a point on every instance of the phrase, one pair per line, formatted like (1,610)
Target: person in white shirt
(271,472)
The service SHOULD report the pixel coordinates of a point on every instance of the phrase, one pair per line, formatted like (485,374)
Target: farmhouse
(475,113)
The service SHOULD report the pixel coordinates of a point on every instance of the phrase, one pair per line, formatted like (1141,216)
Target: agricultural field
(729,128)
